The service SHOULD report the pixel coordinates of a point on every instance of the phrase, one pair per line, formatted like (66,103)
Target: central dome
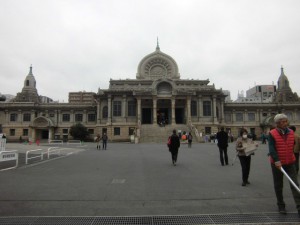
(157,65)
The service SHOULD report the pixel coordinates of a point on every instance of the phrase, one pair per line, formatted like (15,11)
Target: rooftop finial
(282,73)
(157,45)
(30,71)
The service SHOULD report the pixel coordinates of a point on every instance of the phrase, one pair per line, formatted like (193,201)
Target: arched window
(27,82)
(105,112)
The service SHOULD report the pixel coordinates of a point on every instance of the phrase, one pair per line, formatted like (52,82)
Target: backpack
(169,141)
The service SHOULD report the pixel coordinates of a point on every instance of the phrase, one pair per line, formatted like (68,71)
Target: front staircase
(157,134)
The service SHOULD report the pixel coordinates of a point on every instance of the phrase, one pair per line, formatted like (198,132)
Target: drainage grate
(255,218)
(123,220)
(240,218)
(182,220)
(64,221)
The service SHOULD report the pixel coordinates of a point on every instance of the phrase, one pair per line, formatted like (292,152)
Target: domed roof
(157,65)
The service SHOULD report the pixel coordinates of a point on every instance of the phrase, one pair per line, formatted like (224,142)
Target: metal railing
(34,157)
(70,142)
(56,142)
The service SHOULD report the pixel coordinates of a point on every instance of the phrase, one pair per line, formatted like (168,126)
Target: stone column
(124,107)
(72,119)
(257,116)
(109,109)
(233,116)
(173,110)
(154,110)
(20,119)
(188,106)
(98,115)
(84,117)
(245,119)
(139,110)
(33,135)
(6,117)
(50,135)
(214,106)
(200,107)
(222,111)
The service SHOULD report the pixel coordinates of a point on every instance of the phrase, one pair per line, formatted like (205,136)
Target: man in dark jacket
(222,138)
(174,146)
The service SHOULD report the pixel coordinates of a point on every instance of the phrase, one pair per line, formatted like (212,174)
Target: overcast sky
(77,45)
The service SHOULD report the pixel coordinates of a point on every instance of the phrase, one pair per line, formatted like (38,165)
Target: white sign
(7,155)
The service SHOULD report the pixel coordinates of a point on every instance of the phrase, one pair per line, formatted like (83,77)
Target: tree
(79,131)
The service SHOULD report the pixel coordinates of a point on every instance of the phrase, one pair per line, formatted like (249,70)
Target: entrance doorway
(179,115)
(163,116)
(146,116)
(45,134)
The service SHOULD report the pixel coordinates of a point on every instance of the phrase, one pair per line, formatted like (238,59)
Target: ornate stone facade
(148,107)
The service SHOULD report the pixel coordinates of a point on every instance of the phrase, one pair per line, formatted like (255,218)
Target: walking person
(104,141)
(241,144)
(190,139)
(222,138)
(296,148)
(174,146)
(281,150)
(98,141)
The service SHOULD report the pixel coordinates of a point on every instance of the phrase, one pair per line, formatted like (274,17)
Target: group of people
(284,146)
(98,139)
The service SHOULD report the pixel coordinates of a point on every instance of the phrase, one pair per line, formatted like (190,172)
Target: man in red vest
(281,151)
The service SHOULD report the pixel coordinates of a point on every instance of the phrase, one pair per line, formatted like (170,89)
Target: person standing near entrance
(222,138)
(98,141)
(174,147)
(104,141)
(190,139)
(281,150)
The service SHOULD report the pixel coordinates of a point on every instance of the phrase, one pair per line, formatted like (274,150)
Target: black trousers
(245,164)
(174,153)
(278,183)
(223,154)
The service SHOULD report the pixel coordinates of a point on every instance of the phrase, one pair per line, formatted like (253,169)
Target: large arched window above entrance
(164,88)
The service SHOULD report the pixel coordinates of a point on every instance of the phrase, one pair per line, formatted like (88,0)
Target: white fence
(2,144)
(8,156)
(41,155)
(76,142)
(56,142)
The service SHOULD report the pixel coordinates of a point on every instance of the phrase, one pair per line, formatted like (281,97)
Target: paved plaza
(138,180)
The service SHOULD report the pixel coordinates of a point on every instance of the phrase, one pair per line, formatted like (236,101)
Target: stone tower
(284,92)
(29,92)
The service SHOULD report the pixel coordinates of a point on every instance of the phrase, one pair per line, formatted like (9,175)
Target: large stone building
(148,107)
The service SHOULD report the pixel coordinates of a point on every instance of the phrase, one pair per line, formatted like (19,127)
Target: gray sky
(77,45)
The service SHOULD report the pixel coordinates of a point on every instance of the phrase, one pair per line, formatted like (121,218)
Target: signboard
(8,155)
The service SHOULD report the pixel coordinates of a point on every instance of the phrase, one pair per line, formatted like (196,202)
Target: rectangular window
(26,117)
(92,117)
(239,117)
(289,115)
(131,108)
(12,132)
(25,132)
(117,107)
(193,108)
(207,130)
(78,117)
(206,108)
(227,117)
(117,131)
(91,131)
(65,131)
(251,117)
(13,117)
(66,117)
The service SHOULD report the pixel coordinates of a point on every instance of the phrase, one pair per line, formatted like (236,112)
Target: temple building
(147,108)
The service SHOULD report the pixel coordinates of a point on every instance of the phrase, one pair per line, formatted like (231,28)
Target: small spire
(282,72)
(30,71)
(157,45)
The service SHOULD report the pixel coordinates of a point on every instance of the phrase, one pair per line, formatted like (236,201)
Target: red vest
(284,145)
